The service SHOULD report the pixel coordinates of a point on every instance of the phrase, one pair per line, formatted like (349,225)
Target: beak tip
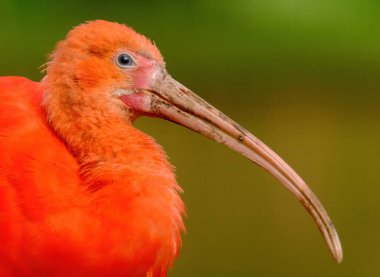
(338,255)
(336,247)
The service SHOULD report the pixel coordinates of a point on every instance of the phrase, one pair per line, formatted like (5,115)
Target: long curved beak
(170,100)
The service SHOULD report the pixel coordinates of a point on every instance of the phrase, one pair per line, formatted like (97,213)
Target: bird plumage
(104,204)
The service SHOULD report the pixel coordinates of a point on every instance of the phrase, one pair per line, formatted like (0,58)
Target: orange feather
(91,195)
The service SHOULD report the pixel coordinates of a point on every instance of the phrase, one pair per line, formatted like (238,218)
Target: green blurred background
(301,75)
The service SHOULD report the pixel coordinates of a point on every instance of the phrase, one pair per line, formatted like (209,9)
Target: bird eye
(125,60)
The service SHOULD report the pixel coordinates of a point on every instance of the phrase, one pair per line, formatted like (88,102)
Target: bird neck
(102,139)
(126,177)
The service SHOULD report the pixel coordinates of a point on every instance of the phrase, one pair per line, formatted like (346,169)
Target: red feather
(52,222)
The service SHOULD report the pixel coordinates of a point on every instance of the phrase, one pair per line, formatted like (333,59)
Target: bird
(85,193)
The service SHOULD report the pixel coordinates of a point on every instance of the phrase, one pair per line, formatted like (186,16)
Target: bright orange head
(100,59)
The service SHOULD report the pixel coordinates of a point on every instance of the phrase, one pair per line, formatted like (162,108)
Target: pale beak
(170,100)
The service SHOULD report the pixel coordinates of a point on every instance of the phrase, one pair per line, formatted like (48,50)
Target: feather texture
(64,214)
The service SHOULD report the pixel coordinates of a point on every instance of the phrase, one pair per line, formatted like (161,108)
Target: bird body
(121,217)
(83,192)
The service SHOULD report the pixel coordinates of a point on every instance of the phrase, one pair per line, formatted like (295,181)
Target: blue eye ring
(125,60)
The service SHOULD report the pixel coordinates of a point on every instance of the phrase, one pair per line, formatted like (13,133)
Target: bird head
(99,63)
(108,67)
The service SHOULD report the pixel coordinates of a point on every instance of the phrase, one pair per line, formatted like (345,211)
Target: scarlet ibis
(84,193)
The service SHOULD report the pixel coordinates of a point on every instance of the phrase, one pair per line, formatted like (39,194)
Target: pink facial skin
(138,104)
(142,75)
(145,70)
